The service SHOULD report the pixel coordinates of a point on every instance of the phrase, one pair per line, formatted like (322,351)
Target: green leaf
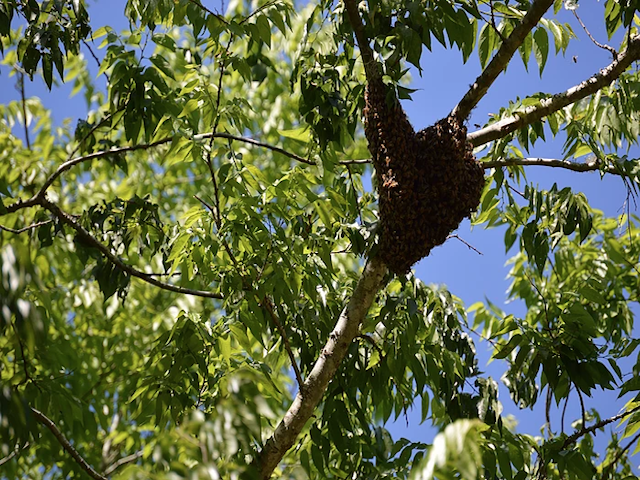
(541,47)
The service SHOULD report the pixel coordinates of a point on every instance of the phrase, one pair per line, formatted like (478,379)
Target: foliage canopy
(190,286)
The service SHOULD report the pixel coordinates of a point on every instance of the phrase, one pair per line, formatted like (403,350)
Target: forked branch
(550,105)
(501,59)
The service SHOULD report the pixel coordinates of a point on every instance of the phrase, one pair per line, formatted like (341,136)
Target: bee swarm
(428,182)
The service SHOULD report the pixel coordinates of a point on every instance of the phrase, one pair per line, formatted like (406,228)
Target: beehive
(428,182)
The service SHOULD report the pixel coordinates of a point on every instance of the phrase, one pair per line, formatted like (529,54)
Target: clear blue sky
(445,79)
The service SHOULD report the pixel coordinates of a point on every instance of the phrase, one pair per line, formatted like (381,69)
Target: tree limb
(371,69)
(44,420)
(123,461)
(314,387)
(91,240)
(501,59)
(558,101)
(590,166)
(18,231)
(602,423)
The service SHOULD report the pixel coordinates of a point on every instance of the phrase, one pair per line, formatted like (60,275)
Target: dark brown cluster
(428,182)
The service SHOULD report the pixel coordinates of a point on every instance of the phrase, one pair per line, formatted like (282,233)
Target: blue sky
(444,81)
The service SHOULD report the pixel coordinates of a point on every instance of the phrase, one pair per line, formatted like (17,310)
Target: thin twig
(25,364)
(24,109)
(95,57)
(493,22)
(355,162)
(598,44)
(373,343)
(146,146)
(602,423)
(225,244)
(44,420)
(471,247)
(591,166)
(93,129)
(258,10)
(123,461)
(210,12)
(564,410)
(15,452)
(24,229)
(268,306)
(582,409)
(547,410)
(606,473)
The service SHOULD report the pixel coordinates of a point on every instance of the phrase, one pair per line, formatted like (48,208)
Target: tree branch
(91,240)
(606,473)
(123,461)
(602,423)
(371,69)
(35,200)
(18,231)
(44,420)
(270,308)
(16,451)
(560,100)
(591,166)
(311,392)
(501,59)
(597,44)
(24,109)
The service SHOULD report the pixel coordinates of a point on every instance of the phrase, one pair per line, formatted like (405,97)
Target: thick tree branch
(91,240)
(315,385)
(590,166)
(44,420)
(549,105)
(501,59)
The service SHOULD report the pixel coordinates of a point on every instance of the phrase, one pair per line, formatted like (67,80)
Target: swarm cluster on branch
(428,182)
